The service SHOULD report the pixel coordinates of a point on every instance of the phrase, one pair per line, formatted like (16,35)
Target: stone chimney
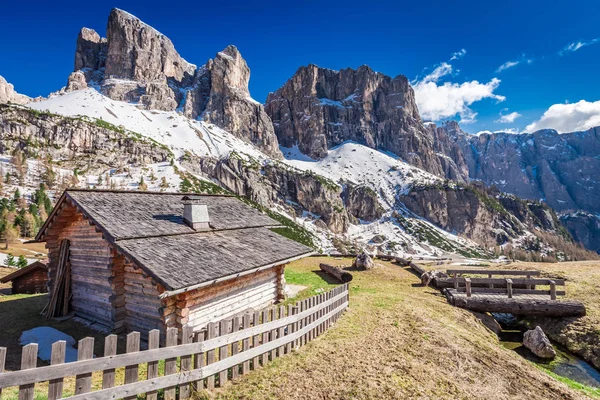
(195,214)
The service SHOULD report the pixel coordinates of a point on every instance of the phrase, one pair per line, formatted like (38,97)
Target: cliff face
(73,140)
(584,227)
(9,95)
(319,108)
(136,63)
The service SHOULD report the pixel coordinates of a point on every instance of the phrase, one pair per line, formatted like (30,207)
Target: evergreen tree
(185,186)
(10,260)
(22,261)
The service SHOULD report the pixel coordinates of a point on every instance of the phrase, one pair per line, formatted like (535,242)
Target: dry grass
(398,341)
(29,250)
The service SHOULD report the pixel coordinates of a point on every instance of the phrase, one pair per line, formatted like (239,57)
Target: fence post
(85,351)
(131,371)
(256,339)
(199,362)
(290,329)
(153,343)
(110,349)
(55,388)
(28,360)
(223,352)
(2,363)
(468,286)
(273,333)
(185,361)
(171,363)
(281,332)
(552,290)
(235,347)
(210,355)
(298,324)
(509,289)
(246,343)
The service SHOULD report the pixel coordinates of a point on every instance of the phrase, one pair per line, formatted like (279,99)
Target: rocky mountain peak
(90,52)
(319,108)
(232,68)
(9,95)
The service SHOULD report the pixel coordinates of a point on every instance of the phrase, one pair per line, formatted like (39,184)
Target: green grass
(588,390)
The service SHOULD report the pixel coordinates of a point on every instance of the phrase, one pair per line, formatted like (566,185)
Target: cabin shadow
(326,277)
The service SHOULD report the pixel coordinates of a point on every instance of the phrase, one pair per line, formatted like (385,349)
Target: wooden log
(28,360)
(337,272)
(516,306)
(85,351)
(55,387)
(152,371)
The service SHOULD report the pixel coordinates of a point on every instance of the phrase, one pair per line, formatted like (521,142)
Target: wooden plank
(132,371)
(273,333)
(516,281)
(522,292)
(110,349)
(552,290)
(265,337)
(255,339)
(290,329)
(16,378)
(223,352)
(171,363)
(55,387)
(85,351)
(187,334)
(281,332)
(152,371)
(210,355)
(2,364)
(235,347)
(28,361)
(211,369)
(512,272)
(246,343)
(199,361)
(509,289)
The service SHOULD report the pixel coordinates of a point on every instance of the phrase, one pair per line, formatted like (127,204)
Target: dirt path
(398,341)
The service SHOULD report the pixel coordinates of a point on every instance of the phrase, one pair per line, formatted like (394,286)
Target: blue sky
(37,42)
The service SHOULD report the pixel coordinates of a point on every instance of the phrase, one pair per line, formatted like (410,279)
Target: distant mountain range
(343,155)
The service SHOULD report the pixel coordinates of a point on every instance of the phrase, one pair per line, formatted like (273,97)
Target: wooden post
(455,276)
(28,360)
(171,363)
(255,339)
(298,323)
(491,284)
(273,334)
(55,388)
(210,355)
(301,324)
(246,343)
(552,290)
(2,363)
(235,347)
(468,286)
(290,329)
(265,338)
(281,332)
(199,362)
(186,361)
(509,290)
(132,371)
(85,351)
(110,349)
(223,352)
(153,343)
(528,286)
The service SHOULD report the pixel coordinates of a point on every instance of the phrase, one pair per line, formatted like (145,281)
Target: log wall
(35,281)
(142,306)
(251,292)
(91,261)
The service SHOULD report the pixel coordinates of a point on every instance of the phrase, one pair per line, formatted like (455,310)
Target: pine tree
(22,261)
(9,261)
(11,234)
(142,185)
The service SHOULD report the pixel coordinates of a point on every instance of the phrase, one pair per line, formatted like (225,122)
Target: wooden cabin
(149,260)
(29,280)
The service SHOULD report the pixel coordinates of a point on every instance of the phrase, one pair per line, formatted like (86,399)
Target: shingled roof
(148,228)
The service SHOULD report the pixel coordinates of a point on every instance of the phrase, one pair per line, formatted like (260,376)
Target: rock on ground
(363,261)
(539,344)
(429,276)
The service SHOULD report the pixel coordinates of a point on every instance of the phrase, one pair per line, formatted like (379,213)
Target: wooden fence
(225,350)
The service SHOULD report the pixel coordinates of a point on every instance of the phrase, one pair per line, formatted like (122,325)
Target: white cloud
(507,65)
(571,117)
(459,54)
(508,118)
(438,101)
(572,47)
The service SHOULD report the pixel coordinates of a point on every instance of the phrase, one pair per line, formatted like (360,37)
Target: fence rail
(225,350)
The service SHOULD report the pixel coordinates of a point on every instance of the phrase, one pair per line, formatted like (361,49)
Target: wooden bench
(490,273)
(507,286)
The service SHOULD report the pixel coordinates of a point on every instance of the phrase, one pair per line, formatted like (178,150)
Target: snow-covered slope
(170,128)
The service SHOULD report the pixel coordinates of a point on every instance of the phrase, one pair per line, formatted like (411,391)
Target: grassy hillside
(398,340)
